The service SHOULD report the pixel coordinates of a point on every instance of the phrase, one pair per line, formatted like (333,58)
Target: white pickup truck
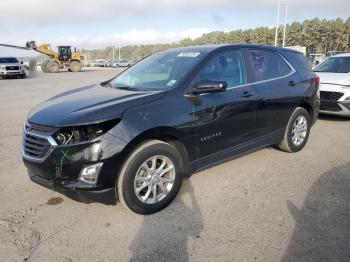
(10,66)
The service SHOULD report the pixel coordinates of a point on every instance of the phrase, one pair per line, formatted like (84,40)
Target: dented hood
(86,105)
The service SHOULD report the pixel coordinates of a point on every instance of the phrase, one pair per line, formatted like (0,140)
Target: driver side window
(227,66)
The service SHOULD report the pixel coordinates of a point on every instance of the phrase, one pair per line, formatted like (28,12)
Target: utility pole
(118,52)
(113,50)
(285,26)
(278,16)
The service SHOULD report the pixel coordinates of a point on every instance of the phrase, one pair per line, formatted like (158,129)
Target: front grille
(35,147)
(330,106)
(39,128)
(12,67)
(347,105)
(334,96)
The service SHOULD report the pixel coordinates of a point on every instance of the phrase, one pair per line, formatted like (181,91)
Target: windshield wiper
(106,84)
(130,88)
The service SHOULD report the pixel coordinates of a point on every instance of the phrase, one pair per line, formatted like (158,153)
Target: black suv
(171,114)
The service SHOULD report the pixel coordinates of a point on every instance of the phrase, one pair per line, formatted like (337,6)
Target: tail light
(317,81)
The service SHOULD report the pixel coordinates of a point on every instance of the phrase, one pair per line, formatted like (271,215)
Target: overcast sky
(100,23)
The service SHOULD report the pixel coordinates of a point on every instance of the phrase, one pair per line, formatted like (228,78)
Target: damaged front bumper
(88,166)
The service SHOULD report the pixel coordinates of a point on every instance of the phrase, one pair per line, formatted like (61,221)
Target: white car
(123,63)
(11,66)
(98,63)
(334,73)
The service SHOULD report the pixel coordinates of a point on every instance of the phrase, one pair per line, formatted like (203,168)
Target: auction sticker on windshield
(171,82)
(188,54)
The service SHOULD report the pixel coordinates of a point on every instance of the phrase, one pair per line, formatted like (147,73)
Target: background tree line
(318,36)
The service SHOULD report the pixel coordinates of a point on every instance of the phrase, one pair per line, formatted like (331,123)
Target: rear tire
(142,187)
(44,67)
(297,131)
(53,67)
(75,66)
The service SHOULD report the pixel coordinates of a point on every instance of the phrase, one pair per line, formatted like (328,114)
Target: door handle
(247,94)
(291,83)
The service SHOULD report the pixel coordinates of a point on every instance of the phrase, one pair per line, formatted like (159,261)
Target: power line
(278,16)
(277,24)
(285,26)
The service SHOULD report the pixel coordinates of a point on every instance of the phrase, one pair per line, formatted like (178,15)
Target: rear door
(226,119)
(278,88)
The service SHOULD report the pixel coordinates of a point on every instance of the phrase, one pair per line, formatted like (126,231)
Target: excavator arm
(43,49)
(15,46)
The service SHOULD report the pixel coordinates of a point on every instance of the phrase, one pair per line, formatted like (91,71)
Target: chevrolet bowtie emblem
(28,127)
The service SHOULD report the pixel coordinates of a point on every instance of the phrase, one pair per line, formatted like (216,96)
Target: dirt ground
(265,206)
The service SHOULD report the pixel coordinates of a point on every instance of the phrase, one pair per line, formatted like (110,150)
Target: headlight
(2,67)
(79,134)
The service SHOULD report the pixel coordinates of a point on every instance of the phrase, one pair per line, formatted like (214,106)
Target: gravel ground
(265,206)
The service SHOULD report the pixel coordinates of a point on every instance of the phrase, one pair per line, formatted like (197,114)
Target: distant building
(299,48)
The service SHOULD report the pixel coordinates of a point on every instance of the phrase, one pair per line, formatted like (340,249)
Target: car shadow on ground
(13,78)
(30,74)
(164,236)
(106,197)
(322,231)
(333,117)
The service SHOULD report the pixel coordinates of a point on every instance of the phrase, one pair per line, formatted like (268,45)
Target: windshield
(161,71)
(8,60)
(335,65)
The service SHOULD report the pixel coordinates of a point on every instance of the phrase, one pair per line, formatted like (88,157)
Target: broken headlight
(79,134)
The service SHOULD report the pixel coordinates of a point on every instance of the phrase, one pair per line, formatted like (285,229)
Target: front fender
(161,118)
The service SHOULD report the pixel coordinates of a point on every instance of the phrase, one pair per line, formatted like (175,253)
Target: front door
(225,119)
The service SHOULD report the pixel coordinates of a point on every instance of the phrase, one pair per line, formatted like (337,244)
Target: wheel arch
(308,108)
(75,60)
(166,134)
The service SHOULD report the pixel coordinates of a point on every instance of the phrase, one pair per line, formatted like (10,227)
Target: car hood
(10,64)
(87,105)
(334,78)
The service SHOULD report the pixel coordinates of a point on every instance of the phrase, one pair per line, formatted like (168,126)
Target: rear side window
(298,61)
(267,65)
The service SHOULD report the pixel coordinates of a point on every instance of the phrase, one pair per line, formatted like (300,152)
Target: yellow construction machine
(64,58)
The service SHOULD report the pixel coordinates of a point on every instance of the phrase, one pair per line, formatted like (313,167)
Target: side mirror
(208,86)
(22,63)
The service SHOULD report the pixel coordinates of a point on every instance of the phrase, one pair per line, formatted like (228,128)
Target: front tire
(44,68)
(150,177)
(297,131)
(53,67)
